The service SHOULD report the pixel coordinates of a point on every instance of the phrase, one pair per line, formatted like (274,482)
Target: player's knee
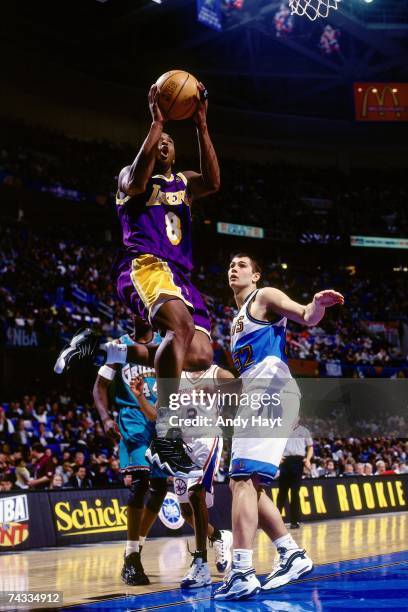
(196,495)
(138,490)
(203,358)
(206,356)
(185,330)
(186,512)
(208,352)
(175,318)
(200,355)
(157,493)
(243,484)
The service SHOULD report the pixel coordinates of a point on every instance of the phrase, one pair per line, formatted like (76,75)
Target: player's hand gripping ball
(179,94)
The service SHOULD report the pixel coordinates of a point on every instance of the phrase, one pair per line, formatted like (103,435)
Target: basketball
(178,94)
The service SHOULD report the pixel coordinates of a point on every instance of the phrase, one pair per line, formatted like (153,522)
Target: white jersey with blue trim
(258,347)
(206,383)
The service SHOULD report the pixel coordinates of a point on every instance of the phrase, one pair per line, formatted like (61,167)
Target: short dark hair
(256,267)
(38,447)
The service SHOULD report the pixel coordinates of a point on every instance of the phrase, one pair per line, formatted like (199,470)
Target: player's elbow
(133,188)
(214,186)
(130,183)
(310,322)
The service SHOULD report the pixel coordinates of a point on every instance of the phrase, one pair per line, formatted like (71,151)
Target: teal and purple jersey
(135,429)
(158,221)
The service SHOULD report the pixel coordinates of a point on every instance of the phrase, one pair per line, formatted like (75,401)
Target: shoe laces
(278,560)
(220,549)
(228,576)
(133,563)
(182,446)
(174,449)
(233,571)
(197,567)
(86,348)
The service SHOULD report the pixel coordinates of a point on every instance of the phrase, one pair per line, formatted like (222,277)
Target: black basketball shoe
(132,571)
(84,347)
(171,456)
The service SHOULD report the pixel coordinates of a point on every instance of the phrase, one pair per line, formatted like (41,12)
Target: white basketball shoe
(289,566)
(222,548)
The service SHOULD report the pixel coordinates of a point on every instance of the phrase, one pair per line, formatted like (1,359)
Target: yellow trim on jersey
(121,201)
(168,180)
(153,279)
(202,329)
(183,177)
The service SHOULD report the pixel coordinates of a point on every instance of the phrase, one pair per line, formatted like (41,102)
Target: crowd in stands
(55,279)
(279,196)
(359,457)
(349,336)
(73,271)
(58,442)
(72,279)
(74,286)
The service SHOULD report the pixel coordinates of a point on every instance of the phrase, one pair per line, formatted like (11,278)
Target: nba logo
(170,513)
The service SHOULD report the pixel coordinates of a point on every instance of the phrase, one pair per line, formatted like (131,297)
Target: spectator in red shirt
(382,469)
(44,467)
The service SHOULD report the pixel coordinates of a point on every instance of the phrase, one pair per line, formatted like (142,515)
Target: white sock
(142,540)
(242,558)
(115,353)
(132,546)
(162,421)
(286,542)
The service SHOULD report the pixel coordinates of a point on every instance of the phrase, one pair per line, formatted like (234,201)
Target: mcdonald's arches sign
(381,101)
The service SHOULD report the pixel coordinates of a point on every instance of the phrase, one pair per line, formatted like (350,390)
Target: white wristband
(107,372)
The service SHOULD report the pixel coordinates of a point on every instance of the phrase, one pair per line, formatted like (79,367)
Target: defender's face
(166,153)
(240,273)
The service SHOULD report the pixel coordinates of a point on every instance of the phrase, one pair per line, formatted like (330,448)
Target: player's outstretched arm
(136,385)
(133,179)
(101,399)
(277,302)
(208,181)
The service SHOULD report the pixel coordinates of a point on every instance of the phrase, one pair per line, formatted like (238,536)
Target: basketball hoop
(313,8)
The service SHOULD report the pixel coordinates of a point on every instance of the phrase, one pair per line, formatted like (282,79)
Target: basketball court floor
(360,564)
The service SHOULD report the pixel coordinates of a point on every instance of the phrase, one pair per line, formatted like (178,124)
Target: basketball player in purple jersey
(153,276)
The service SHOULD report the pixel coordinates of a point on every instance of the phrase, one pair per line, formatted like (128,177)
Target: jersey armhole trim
(121,201)
(251,318)
(183,178)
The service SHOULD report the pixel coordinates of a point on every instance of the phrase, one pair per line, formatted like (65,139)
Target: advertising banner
(209,13)
(93,515)
(351,496)
(379,242)
(381,101)
(49,518)
(25,521)
(233,229)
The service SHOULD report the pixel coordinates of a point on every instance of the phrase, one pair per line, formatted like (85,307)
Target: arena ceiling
(131,42)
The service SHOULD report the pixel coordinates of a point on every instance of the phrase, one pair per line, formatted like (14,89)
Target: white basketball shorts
(259,449)
(206,453)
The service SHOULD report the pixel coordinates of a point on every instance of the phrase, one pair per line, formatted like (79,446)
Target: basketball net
(312,8)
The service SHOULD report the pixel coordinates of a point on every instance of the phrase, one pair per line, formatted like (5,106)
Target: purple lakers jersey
(158,221)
